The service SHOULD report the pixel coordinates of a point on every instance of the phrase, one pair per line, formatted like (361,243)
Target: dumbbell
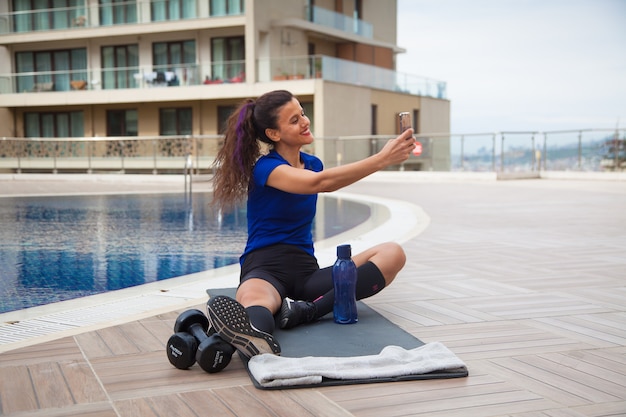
(190,344)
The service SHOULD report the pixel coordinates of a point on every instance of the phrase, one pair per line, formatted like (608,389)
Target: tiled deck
(523,280)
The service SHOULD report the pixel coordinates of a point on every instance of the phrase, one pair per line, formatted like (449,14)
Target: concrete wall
(389,105)
(383,17)
(434,115)
(435,118)
(343,110)
(7,129)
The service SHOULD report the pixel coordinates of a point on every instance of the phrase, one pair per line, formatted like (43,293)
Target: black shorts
(293,272)
(296,274)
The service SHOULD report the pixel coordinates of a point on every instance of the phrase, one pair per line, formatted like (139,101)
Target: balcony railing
(158,154)
(119,13)
(293,68)
(588,150)
(348,72)
(123,78)
(339,21)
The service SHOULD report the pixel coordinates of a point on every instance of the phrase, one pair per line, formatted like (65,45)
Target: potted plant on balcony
(281,76)
(318,67)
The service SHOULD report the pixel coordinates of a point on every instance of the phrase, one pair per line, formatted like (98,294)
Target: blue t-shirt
(275,216)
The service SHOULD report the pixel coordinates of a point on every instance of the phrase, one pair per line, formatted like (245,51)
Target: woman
(278,265)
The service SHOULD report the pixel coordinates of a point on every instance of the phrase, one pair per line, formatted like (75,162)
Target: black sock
(261,318)
(371,281)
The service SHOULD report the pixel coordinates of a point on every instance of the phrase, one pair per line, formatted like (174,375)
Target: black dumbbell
(190,343)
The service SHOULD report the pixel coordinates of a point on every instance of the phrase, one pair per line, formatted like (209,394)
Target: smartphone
(404,119)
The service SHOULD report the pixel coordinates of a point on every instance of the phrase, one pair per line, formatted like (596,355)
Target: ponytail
(235,161)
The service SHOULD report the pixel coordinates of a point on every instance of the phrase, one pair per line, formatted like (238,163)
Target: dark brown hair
(235,160)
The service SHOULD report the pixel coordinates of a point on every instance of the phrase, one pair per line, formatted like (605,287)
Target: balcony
(330,19)
(122,13)
(268,70)
(122,78)
(348,72)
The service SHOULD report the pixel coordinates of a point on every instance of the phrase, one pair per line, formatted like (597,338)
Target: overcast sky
(519,65)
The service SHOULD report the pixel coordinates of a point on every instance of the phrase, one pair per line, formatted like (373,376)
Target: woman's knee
(389,257)
(256,291)
(394,254)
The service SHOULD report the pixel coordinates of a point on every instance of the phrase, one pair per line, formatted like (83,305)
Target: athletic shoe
(293,313)
(230,320)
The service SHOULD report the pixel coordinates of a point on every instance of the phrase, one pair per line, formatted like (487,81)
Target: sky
(520,65)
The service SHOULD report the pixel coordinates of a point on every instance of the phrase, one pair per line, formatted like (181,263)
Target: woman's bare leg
(389,257)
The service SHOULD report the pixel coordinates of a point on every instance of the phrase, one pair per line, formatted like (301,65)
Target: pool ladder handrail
(188,171)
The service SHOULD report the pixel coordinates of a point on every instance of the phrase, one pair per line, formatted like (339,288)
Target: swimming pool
(60,248)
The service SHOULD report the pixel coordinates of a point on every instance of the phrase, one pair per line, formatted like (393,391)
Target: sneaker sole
(231,322)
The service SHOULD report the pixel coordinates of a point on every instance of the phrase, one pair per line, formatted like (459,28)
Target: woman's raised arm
(303,181)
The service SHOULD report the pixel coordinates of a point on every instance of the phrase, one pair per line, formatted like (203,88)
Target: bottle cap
(344,251)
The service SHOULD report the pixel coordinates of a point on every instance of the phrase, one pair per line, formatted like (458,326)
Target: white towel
(393,361)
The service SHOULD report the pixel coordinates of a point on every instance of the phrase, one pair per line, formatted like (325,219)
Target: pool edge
(67,318)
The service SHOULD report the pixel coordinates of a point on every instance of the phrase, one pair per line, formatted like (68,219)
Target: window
(119,65)
(31,15)
(226,7)
(54,124)
(308,110)
(228,59)
(358,10)
(175,121)
(50,70)
(117,12)
(223,113)
(374,128)
(178,59)
(122,122)
(374,115)
(161,10)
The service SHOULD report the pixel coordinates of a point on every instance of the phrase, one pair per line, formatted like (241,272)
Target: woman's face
(293,125)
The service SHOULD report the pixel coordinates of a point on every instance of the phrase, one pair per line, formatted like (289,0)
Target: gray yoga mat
(324,337)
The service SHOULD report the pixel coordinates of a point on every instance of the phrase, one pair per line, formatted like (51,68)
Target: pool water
(59,248)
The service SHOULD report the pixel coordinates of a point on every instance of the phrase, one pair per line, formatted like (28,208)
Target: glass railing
(123,78)
(43,19)
(291,68)
(277,69)
(348,72)
(45,81)
(588,150)
(118,13)
(339,21)
(569,150)
(157,76)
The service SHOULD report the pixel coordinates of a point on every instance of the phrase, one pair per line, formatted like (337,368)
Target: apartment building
(175,69)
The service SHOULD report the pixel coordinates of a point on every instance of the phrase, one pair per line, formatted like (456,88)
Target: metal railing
(274,69)
(123,77)
(332,19)
(156,154)
(118,13)
(347,72)
(574,150)
(564,150)
(145,11)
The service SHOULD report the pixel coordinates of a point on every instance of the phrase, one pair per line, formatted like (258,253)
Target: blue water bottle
(344,280)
